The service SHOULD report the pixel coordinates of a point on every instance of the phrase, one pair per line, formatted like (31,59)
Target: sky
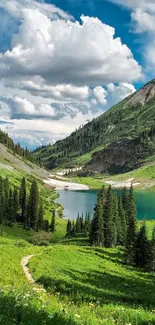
(65,62)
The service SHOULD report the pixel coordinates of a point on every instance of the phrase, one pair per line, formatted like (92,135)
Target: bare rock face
(144,94)
(119,157)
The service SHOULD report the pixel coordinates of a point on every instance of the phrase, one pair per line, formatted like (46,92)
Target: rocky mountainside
(117,141)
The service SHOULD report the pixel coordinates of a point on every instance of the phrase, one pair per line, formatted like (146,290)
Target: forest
(115,224)
(17,205)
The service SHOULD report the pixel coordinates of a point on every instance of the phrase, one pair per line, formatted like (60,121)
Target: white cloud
(56,71)
(100,94)
(120,91)
(66,52)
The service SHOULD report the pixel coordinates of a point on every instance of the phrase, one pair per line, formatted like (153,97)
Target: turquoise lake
(75,202)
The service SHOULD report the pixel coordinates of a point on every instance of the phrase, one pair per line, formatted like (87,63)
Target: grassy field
(85,285)
(95,286)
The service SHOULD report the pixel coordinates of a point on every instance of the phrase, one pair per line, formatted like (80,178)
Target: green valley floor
(83,284)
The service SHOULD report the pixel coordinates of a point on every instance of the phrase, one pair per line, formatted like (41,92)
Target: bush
(41,238)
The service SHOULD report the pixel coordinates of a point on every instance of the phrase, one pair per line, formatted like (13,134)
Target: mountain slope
(131,119)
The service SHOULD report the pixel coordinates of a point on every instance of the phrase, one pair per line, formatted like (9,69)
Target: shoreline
(61,184)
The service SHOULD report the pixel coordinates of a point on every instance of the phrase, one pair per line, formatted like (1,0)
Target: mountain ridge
(132,118)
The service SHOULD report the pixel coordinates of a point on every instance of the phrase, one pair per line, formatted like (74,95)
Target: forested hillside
(15,148)
(133,119)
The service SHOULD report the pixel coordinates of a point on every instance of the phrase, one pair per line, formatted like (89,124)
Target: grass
(94,285)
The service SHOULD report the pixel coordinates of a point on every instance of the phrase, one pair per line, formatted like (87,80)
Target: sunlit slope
(115,131)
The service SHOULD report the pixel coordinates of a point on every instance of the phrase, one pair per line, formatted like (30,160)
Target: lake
(84,201)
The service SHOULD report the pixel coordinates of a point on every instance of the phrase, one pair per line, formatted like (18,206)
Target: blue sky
(64,62)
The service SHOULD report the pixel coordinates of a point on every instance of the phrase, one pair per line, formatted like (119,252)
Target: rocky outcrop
(121,156)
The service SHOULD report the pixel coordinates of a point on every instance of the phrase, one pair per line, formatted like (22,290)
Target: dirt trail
(24,264)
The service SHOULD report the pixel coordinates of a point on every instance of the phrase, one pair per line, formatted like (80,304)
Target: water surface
(75,202)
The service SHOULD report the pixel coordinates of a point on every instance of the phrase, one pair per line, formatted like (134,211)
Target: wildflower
(78,316)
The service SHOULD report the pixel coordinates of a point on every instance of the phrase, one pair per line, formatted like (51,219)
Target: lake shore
(64,184)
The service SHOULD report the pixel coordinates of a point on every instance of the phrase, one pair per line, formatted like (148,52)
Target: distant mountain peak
(144,94)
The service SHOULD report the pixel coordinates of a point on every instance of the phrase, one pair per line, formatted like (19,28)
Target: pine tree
(10,207)
(116,220)
(122,232)
(40,216)
(125,202)
(15,204)
(52,226)
(6,201)
(68,228)
(131,229)
(73,232)
(34,205)
(22,200)
(77,225)
(46,225)
(141,248)
(110,232)
(97,224)
(151,255)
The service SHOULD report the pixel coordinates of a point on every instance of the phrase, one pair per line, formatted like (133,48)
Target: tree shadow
(102,288)
(12,313)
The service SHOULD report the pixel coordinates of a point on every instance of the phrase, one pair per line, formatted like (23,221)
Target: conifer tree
(141,248)
(110,233)
(52,226)
(68,228)
(34,205)
(77,225)
(122,232)
(6,201)
(73,232)
(151,255)
(97,224)
(46,225)
(22,200)
(125,202)
(131,229)
(40,216)
(15,204)
(10,207)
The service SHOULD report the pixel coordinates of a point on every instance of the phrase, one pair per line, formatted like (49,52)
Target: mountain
(117,141)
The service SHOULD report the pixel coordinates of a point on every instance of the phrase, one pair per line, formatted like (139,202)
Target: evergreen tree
(97,224)
(151,256)
(34,205)
(122,232)
(15,204)
(40,216)
(141,248)
(131,229)
(110,232)
(22,200)
(10,207)
(6,196)
(73,232)
(77,225)
(125,202)
(46,225)
(52,226)
(68,228)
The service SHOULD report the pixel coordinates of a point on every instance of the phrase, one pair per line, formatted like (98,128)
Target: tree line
(16,148)
(17,205)
(79,228)
(115,224)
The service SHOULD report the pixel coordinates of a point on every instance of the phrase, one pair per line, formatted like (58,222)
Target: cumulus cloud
(38,87)
(100,94)
(121,91)
(56,70)
(66,52)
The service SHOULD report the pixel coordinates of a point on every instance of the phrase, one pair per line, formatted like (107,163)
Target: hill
(109,142)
